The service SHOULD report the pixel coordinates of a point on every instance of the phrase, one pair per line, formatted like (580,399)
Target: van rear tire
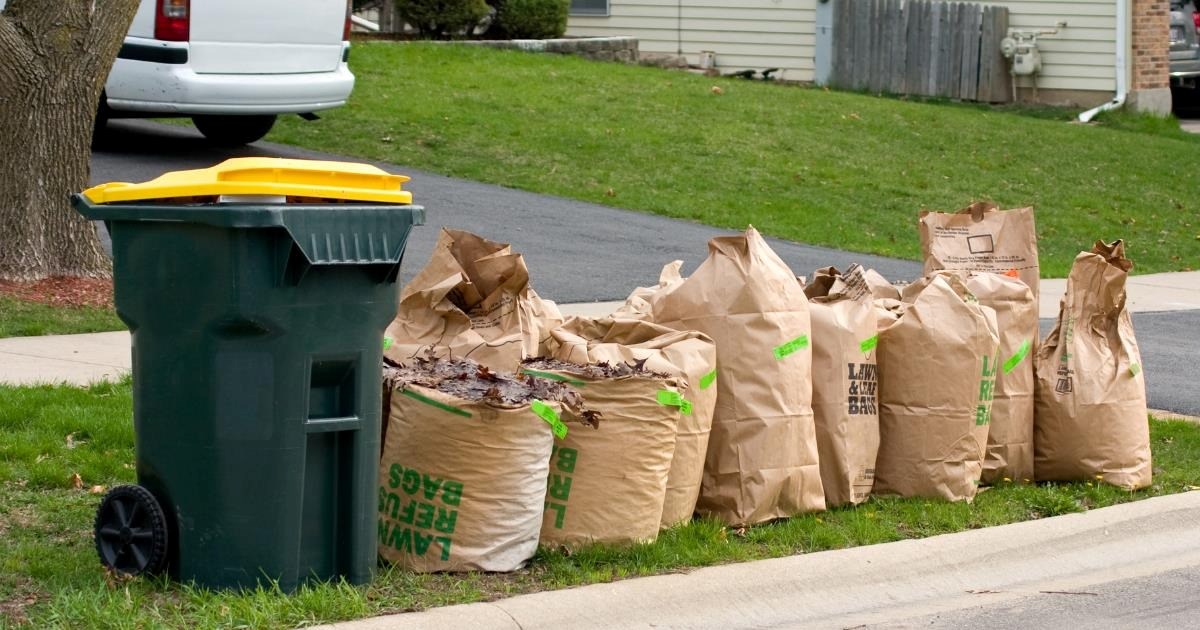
(233,131)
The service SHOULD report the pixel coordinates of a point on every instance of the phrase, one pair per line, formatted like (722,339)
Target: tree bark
(54,60)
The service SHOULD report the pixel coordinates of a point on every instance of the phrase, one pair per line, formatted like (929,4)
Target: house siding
(754,34)
(768,33)
(1079,57)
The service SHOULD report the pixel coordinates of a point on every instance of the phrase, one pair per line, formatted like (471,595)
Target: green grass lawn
(50,576)
(838,169)
(19,318)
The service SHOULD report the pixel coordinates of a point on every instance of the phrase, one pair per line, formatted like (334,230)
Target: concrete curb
(855,586)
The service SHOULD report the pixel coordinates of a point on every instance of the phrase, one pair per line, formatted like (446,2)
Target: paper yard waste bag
(462,480)
(687,355)
(845,380)
(1010,433)
(762,452)
(608,484)
(981,237)
(638,304)
(472,300)
(937,372)
(1090,406)
(856,280)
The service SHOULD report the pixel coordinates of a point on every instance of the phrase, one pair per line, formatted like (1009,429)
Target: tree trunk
(54,60)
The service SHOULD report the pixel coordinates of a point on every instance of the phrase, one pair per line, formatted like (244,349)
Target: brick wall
(1151,43)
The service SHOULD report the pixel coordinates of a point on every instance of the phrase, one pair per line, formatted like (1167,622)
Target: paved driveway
(577,252)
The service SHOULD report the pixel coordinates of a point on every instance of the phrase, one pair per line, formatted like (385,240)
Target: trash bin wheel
(131,531)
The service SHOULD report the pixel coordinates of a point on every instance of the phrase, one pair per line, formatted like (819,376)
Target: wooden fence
(921,47)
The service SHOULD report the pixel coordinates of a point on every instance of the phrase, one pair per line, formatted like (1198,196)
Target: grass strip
(19,318)
(50,576)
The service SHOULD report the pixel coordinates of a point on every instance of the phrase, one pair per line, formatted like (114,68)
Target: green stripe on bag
(551,376)
(669,398)
(547,413)
(1017,357)
(799,343)
(435,403)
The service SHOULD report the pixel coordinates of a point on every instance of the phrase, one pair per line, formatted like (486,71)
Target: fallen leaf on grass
(76,481)
(115,579)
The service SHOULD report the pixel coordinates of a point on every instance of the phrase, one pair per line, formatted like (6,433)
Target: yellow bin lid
(265,176)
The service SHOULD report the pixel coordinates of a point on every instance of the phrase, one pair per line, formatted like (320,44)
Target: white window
(589,7)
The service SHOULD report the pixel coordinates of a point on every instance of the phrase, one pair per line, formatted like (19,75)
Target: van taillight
(1196,21)
(171,20)
(346,28)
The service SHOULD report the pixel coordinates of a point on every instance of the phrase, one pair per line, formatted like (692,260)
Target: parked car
(232,66)
(1185,52)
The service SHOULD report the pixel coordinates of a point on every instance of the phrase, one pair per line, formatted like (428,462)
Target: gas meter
(1021,50)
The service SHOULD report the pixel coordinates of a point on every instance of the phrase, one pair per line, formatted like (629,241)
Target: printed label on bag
(987,390)
(558,488)
(864,385)
(418,512)
(1065,384)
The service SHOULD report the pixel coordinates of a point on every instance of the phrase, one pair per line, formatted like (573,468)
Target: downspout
(1122,68)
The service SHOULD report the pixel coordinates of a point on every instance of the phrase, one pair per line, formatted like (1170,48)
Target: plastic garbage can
(257,292)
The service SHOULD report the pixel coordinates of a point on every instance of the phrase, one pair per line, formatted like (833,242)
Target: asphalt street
(582,252)
(1163,600)
(576,252)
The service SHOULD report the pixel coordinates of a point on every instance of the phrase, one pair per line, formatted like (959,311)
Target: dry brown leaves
(468,380)
(62,291)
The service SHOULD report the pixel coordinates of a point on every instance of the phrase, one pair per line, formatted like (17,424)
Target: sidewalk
(874,584)
(82,359)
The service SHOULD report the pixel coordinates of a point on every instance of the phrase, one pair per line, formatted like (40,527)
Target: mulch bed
(62,291)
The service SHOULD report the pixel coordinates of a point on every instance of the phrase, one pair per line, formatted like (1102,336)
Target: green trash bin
(257,293)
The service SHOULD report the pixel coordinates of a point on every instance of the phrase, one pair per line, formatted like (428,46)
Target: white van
(231,65)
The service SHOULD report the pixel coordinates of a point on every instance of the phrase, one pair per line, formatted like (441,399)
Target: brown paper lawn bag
(762,452)
(1010,433)
(638,304)
(462,480)
(1090,417)
(608,483)
(687,355)
(472,300)
(937,373)
(845,380)
(981,237)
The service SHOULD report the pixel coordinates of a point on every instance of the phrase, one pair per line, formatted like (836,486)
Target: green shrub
(442,19)
(534,19)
